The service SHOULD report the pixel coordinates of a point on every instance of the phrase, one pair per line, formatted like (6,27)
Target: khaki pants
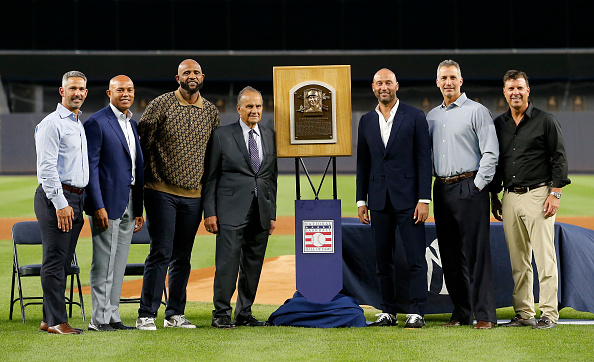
(526,231)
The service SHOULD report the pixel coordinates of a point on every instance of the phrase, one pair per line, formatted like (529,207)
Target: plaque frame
(338,77)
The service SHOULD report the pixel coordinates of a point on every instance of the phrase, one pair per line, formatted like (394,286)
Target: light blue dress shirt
(61,147)
(464,140)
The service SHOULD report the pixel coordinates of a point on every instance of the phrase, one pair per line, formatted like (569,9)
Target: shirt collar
(527,114)
(66,113)
(199,103)
(245,129)
(458,102)
(119,114)
(392,111)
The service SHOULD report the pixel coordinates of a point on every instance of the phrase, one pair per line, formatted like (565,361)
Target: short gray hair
(72,74)
(244,90)
(449,63)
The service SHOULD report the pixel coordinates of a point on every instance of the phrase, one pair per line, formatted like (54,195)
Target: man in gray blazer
(240,207)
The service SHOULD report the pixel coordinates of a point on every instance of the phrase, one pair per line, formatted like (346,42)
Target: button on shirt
(124,121)
(61,147)
(464,140)
(257,137)
(531,152)
(386,124)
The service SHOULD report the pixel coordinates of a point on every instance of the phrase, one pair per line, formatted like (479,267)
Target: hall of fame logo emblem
(318,236)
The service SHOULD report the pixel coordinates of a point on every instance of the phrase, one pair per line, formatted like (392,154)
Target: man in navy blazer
(394,183)
(114,199)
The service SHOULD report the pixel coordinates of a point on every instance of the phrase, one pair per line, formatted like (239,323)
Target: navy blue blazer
(110,166)
(402,169)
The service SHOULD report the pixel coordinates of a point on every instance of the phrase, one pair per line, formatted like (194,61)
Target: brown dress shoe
(63,328)
(452,323)
(484,325)
(43,326)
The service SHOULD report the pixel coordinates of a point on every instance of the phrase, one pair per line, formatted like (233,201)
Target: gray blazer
(230,180)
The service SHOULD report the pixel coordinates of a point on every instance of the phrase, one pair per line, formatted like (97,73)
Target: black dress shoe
(120,325)
(518,321)
(223,323)
(249,321)
(100,327)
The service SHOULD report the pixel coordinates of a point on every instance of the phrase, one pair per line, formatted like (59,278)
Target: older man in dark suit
(240,207)
(114,202)
(394,177)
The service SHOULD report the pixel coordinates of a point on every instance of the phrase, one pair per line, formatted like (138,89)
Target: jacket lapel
(238,136)
(397,122)
(113,122)
(376,132)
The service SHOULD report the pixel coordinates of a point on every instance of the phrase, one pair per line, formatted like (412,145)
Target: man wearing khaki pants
(532,170)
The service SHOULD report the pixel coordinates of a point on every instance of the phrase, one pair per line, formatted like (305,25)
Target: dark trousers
(240,249)
(383,227)
(58,250)
(173,223)
(462,225)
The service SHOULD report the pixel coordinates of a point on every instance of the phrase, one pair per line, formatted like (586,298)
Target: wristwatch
(556,194)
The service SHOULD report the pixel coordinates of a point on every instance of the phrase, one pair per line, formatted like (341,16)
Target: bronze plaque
(313,115)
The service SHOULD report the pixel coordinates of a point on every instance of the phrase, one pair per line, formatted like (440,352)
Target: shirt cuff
(60,202)
(425,201)
(480,182)
(361,203)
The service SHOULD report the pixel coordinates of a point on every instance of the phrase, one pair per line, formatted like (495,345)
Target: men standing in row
(394,182)
(174,131)
(533,169)
(114,199)
(240,207)
(465,152)
(62,173)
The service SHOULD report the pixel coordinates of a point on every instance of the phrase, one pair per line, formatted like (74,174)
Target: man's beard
(187,88)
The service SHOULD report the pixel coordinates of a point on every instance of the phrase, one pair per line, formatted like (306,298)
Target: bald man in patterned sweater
(174,131)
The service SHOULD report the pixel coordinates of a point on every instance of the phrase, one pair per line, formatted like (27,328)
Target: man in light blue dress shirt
(465,152)
(62,173)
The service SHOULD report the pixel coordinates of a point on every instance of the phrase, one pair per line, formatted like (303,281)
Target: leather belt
(73,189)
(524,189)
(456,178)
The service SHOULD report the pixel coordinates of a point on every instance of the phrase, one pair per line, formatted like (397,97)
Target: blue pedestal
(318,249)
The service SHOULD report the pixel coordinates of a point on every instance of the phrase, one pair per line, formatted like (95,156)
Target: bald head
(121,92)
(384,73)
(188,63)
(384,87)
(189,76)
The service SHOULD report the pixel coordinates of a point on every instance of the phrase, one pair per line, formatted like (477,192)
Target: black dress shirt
(530,153)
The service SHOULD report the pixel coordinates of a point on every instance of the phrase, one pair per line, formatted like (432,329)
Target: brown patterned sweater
(174,135)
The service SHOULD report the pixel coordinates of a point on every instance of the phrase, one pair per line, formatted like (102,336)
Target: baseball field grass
(24,341)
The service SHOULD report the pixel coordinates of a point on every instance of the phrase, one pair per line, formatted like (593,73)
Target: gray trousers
(110,255)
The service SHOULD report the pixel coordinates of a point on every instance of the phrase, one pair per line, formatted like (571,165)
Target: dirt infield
(277,282)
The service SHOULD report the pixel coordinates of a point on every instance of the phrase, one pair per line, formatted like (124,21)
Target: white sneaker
(178,320)
(146,324)
(414,321)
(385,320)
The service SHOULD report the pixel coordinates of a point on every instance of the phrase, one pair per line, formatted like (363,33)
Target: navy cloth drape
(575,255)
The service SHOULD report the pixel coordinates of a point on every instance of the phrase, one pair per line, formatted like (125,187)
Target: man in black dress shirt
(532,170)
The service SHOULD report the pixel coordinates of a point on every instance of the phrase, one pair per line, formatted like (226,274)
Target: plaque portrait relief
(313,113)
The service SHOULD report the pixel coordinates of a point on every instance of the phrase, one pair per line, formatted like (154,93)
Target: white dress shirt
(124,121)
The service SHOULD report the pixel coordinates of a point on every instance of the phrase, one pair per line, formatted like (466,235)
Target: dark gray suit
(244,220)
